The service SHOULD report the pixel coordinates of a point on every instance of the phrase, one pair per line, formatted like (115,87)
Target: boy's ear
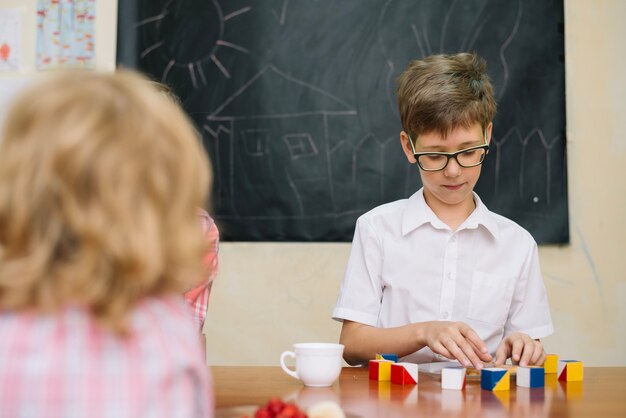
(488,129)
(406,147)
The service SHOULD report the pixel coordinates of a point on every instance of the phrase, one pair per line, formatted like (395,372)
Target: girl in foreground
(100,181)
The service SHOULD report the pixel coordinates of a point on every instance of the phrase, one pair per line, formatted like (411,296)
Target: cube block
(404,373)
(570,370)
(453,378)
(392,357)
(551,363)
(380,370)
(530,377)
(495,379)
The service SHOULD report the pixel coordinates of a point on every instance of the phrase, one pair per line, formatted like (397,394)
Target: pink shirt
(67,365)
(198,296)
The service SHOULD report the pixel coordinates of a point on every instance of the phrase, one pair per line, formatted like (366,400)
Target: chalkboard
(296,105)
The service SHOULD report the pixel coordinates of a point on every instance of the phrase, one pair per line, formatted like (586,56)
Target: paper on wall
(10,30)
(65,34)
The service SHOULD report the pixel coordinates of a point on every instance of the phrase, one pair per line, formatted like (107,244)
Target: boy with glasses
(438,276)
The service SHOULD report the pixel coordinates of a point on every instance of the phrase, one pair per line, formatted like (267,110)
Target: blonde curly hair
(100,180)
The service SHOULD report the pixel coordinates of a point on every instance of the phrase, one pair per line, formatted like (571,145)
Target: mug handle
(284,367)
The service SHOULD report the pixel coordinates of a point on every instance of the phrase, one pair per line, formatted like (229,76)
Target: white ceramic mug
(317,364)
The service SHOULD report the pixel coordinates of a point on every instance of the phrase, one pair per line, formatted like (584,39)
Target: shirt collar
(481,216)
(418,213)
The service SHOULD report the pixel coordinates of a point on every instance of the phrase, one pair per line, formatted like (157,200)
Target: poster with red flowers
(65,34)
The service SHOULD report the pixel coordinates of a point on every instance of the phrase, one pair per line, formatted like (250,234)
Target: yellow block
(575,371)
(551,363)
(384,371)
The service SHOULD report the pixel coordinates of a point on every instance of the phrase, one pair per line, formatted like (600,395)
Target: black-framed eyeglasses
(436,161)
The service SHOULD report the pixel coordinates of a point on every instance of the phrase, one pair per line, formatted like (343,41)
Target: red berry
(287,412)
(275,405)
(262,413)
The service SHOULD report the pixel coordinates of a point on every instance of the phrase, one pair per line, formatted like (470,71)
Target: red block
(380,370)
(404,373)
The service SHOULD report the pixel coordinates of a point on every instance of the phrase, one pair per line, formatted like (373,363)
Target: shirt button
(444,315)
(449,276)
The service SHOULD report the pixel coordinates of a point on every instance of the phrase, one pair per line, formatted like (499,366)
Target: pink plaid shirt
(198,297)
(66,365)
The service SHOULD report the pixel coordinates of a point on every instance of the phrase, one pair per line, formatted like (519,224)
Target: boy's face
(449,189)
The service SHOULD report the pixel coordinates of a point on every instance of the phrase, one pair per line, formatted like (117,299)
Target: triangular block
(404,373)
(570,370)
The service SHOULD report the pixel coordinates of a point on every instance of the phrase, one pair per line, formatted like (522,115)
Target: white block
(453,378)
(530,377)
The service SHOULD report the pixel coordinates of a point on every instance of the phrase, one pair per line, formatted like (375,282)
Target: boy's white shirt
(407,266)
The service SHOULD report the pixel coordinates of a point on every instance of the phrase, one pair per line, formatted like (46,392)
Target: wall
(586,281)
(270,295)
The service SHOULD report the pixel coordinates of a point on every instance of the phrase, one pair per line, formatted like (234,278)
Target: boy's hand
(456,340)
(522,350)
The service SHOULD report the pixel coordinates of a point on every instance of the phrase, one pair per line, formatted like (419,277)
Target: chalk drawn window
(255,141)
(300,145)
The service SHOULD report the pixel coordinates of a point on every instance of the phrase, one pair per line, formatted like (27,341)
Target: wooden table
(239,390)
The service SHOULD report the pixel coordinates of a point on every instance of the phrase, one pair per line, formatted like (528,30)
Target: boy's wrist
(419,333)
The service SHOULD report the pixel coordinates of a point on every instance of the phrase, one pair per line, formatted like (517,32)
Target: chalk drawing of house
(271,144)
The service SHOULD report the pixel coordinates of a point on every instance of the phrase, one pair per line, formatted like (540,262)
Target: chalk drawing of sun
(190,34)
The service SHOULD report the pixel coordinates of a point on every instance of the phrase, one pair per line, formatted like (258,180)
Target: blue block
(530,377)
(392,357)
(489,378)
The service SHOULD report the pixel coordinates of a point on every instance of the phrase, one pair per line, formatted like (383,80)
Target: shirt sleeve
(198,296)
(361,290)
(530,311)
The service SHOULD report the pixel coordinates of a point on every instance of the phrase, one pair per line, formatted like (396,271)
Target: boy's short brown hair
(443,92)
(100,180)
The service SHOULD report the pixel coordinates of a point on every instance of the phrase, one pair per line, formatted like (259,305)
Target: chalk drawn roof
(273,94)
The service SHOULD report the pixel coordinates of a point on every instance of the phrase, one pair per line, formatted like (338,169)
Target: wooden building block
(495,379)
(380,370)
(404,373)
(570,370)
(551,363)
(392,357)
(530,377)
(453,378)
